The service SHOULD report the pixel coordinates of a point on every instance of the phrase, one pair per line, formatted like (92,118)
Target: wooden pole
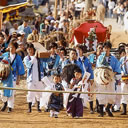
(1,20)
(55,9)
(88,5)
(60,5)
(67,5)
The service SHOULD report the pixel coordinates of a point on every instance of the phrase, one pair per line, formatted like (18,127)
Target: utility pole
(60,5)
(88,5)
(55,9)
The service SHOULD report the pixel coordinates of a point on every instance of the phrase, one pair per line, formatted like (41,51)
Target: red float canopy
(82,31)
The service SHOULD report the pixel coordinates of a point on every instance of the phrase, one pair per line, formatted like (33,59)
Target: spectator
(33,37)
(24,27)
(111,5)
(14,29)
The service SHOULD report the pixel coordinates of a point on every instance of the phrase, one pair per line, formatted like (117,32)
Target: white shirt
(72,62)
(13,30)
(35,75)
(111,5)
(12,56)
(81,58)
(107,59)
(83,63)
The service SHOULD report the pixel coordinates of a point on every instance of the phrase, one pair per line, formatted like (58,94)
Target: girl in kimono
(17,70)
(75,105)
(35,73)
(56,99)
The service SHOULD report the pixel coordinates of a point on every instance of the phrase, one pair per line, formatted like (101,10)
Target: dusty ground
(19,118)
(118,35)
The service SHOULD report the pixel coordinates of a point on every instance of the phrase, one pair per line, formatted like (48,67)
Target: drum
(103,75)
(4,69)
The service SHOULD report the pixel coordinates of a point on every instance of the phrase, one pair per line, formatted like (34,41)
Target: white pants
(118,97)
(9,100)
(32,95)
(105,99)
(124,89)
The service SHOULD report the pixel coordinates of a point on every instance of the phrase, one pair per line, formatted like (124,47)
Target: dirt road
(19,118)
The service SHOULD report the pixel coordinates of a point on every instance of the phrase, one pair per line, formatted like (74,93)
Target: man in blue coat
(110,61)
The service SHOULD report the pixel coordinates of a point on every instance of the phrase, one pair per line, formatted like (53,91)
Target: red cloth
(82,31)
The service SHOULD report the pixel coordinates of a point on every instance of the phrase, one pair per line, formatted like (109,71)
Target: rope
(53,91)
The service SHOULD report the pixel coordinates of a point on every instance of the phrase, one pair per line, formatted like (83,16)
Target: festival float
(90,33)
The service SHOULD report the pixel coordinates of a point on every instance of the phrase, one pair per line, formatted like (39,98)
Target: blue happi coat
(27,30)
(52,63)
(29,65)
(124,69)
(67,61)
(17,68)
(113,62)
(85,65)
(92,58)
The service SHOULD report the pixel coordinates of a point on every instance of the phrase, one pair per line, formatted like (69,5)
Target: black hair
(107,44)
(122,50)
(80,47)
(121,47)
(56,75)
(63,49)
(126,45)
(1,34)
(78,70)
(19,35)
(122,44)
(63,42)
(14,44)
(30,45)
(53,45)
(72,49)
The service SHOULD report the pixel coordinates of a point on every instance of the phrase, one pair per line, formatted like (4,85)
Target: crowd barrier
(53,91)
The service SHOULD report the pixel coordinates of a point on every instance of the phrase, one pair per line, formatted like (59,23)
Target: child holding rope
(56,99)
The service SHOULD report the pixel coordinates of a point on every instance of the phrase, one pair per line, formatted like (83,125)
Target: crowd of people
(66,69)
